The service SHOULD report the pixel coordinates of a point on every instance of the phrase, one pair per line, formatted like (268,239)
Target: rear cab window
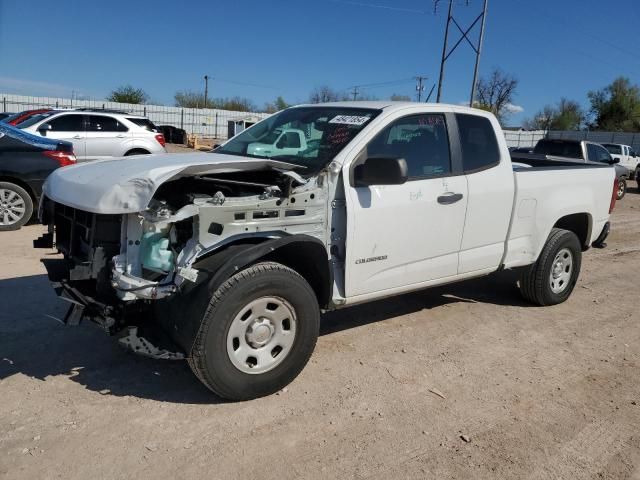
(144,123)
(559,148)
(613,149)
(479,144)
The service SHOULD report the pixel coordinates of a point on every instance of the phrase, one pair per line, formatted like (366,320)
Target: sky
(262,49)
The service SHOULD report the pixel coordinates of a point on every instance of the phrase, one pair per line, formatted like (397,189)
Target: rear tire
(257,334)
(553,277)
(16,206)
(622,189)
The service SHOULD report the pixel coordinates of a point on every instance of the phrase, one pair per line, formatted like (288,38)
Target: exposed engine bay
(116,266)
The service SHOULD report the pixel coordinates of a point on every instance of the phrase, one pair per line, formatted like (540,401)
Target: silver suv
(98,134)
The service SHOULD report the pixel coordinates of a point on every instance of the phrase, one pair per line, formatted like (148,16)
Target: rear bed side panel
(544,196)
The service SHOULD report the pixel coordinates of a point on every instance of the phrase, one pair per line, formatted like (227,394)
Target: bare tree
(325,93)
(495,93)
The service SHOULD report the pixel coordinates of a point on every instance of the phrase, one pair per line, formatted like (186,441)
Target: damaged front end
(136,273)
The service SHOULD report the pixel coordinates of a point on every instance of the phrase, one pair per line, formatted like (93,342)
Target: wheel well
(578,223)
(22,184)
(137,151)
(309,260)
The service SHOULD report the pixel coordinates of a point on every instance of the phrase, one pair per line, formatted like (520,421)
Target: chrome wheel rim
(12,207)
(620,189)
(261,335)
(561,271)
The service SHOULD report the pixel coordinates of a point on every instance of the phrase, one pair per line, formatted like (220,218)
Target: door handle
(449,198)
(120,136)
(77,136)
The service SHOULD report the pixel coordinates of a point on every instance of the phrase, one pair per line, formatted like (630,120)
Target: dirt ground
(540,392)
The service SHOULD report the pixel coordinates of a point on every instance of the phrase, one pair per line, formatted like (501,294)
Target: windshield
(309,137)
(612,148)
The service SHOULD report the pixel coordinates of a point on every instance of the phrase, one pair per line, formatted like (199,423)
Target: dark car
(19,117)
(173,134)
(25,163)
(4,115)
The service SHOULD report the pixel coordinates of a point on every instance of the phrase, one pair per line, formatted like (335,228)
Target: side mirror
(613,161)
(380,171)
(216,145)
(44,128)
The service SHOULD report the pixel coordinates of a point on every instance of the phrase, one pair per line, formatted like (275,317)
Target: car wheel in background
(552,278)
(136,151)
(622,188)
(16,206)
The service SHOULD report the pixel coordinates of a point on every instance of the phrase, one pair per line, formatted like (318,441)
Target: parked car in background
(584,151)
(173,134)
(98,133)
(4,115)
(25,162)
(227,258)
(19,117)
(627,156)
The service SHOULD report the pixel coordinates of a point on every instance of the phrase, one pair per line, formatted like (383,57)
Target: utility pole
(419,87)
(477,47)
(206,89)
(355,92)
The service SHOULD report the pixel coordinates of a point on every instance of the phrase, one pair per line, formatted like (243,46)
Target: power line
(355,92)
(379,6)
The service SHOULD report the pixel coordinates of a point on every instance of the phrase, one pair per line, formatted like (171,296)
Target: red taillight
(614,195)
(63,158)
(160,139)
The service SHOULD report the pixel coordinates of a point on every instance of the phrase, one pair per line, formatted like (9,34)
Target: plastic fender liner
(180,314)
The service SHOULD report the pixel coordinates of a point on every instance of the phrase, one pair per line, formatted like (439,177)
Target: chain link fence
(204,122)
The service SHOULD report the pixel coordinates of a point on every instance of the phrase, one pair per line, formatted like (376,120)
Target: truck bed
(538,161)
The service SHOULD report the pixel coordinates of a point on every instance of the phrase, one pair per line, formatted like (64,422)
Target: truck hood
(127,185)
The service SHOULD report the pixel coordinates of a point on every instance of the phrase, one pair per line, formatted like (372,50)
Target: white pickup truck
(627,156)
(228,258)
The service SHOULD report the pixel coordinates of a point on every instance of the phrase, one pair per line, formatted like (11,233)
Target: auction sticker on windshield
(350,119)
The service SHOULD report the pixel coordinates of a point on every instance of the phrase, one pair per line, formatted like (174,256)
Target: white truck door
(487,166)
(399,235)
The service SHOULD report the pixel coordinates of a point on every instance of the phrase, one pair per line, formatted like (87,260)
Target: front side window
(600,154)
(478,141)
(67,123)
(421,140)
(326,131)
(101,123)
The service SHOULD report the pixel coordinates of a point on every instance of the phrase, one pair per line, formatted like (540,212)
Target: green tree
(616,107)
(566,115)
(278,104)
(128,94)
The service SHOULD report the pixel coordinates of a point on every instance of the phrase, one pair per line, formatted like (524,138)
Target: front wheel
(622,188)
(552,278)
(257,334)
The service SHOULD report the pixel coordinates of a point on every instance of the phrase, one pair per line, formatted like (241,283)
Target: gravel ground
(463,381)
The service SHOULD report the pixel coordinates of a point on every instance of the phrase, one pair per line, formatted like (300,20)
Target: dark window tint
(290,140)
(420,139)
(599,154)
(478,140)
(559,148)
(100,123)
(67,123)
(144,123)
(613,149)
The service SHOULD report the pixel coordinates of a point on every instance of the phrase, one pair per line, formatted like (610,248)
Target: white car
(98,134)
(228,258)
(627,156)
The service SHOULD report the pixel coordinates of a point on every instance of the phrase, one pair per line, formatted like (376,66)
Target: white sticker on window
(349,119)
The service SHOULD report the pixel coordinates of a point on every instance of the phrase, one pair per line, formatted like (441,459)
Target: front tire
(622,189)
(553,277)
(16,206)
(257,334)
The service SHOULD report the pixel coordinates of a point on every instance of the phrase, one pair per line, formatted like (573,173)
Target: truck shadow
(39,347)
